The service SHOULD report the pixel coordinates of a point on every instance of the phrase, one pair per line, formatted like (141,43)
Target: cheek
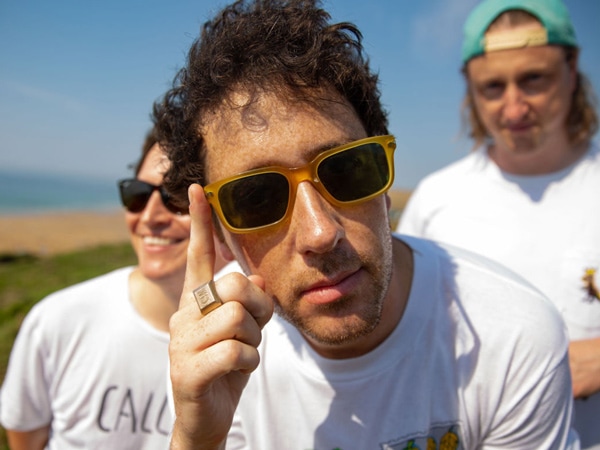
(556,107)
(488,112)
(256,253)
(184,223)
(373,214)
(131,221)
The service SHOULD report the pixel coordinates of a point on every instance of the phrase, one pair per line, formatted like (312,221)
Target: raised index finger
(201,250)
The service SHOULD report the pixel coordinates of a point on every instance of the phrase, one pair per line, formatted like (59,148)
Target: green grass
(26,279)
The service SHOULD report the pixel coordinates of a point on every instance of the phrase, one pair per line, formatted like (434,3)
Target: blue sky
(77,79)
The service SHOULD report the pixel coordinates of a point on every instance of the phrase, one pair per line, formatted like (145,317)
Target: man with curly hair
(279,142)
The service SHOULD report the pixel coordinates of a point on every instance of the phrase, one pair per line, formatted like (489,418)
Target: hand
(584,360)
(212,356)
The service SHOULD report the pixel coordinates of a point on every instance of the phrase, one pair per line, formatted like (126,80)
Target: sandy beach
(58,232)
(50,233)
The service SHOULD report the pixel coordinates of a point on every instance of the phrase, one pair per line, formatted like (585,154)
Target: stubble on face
(254,134)
(351,317)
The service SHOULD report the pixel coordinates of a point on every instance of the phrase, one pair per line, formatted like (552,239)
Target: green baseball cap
(552,14)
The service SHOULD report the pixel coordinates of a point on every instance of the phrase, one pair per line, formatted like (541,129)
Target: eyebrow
(313,153)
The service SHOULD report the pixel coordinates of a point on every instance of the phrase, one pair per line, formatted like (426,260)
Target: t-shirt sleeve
(24,401)
(539,419)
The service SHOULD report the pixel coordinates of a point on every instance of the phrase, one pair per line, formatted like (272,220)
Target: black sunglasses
(136,193)
(346,175)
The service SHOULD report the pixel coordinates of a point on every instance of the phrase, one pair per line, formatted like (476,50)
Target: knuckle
(237,314)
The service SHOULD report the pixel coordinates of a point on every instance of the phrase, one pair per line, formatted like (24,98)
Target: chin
(160,272)
(524,143)
(335,324)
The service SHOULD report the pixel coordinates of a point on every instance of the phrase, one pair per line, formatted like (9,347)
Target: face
(523,97)
(158,236)
(327,268)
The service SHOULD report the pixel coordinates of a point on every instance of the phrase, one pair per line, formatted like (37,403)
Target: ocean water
(27,193)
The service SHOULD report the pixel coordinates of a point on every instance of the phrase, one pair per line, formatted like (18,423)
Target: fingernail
(190,195)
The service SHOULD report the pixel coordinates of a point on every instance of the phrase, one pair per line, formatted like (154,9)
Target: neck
(552,157)
(155,300)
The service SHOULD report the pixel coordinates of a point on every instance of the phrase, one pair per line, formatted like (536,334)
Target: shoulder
(495,301)
(81,297)
(484,275)
(468,165)
(444,187)
(97,284)
(594,151)
(591,159)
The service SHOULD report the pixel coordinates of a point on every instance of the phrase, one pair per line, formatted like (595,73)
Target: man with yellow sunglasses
(279,141)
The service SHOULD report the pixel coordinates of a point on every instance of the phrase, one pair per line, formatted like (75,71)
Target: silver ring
(207,298)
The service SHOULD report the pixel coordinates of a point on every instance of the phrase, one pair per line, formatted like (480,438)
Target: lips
(519,127)
(331,290)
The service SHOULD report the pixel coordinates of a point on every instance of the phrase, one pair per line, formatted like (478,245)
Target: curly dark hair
(288,48)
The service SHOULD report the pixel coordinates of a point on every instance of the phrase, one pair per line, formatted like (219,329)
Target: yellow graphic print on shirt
(589,284)
(446,435)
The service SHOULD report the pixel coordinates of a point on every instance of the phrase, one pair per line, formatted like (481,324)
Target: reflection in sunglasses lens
(256,200)
(355,173)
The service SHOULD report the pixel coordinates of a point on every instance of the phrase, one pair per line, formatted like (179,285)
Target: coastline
(52,232)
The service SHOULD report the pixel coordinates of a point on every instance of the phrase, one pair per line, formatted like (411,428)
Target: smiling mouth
(160,241)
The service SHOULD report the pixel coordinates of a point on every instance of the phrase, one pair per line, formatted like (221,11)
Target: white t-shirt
(465,368)
(546,228)
(86,363)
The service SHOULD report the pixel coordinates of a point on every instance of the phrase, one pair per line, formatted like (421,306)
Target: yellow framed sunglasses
(344,175)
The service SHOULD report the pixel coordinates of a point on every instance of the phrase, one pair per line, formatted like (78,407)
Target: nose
(315,221)
(155,211)
(515,104)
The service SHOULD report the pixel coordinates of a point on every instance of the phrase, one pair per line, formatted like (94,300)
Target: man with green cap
(528,195)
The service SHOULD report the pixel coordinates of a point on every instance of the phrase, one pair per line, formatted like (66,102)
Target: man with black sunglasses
(88,366)
(278,139)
